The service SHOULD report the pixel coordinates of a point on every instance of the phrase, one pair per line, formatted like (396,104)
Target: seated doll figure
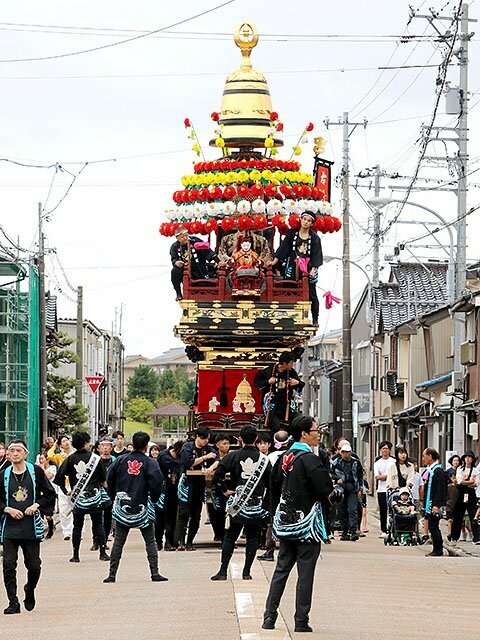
(245,266)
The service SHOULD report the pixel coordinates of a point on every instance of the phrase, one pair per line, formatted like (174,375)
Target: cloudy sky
(125,106)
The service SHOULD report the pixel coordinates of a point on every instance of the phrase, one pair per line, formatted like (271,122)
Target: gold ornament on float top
(246,102)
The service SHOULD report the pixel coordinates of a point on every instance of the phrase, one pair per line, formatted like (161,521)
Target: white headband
(18,444)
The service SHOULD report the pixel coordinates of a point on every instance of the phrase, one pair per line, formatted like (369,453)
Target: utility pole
(348,128)
(461,272)
(79,347)
(43,328)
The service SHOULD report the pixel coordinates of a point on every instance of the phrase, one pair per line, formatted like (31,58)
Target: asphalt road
(363,590)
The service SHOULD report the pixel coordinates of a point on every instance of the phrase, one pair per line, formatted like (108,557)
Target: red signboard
(94,382)
(323,179)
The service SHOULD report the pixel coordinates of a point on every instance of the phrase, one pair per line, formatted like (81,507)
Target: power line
(440,84)
(121,42)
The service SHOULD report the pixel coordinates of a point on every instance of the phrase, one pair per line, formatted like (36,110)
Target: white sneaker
(383,535)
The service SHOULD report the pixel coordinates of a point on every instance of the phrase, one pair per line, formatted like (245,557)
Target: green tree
(168,384)
(137,408)
(176,386)
(144,383)
(60,389)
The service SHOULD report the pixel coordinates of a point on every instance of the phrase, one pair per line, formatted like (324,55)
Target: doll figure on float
(245,269)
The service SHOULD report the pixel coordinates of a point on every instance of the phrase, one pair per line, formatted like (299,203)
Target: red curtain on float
(210,385)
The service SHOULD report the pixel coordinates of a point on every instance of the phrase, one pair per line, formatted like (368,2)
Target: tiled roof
(413,290)
(176,355)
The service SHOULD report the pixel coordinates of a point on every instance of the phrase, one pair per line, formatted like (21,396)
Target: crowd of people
(283,490)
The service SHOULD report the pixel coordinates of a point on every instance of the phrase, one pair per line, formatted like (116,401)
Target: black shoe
(66,538)
(110,579)
(49,535)
(74,559)
(104,557)
(247,576)
(437,555)
(29,602)
(268,623)
(190,547)
(345,536)
(354,536)
(303,628)
(221,575)
(159,578)
(13,607)
(267,556)
(94,547)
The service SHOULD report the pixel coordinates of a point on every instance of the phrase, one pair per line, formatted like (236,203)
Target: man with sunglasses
(300,485)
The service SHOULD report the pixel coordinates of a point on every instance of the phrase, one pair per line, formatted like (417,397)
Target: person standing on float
(301,252)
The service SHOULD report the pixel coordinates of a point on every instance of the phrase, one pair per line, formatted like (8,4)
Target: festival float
(238,311)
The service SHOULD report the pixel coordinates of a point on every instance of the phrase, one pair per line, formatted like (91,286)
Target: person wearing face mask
(301,252)
(193,253)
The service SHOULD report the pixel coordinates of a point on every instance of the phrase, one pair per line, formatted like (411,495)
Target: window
(363,361)
(394,352)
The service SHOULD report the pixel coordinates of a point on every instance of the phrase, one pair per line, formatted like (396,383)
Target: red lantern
(229,192)
(227,224)
(211,225)
(294,221)
(215,116)
(260,221)
(244,223)
(279,126)
(243,191)
(273,116)
(309,126)
(187,122)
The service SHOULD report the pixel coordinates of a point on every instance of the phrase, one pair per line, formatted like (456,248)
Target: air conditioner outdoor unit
(467,352)
(472,430)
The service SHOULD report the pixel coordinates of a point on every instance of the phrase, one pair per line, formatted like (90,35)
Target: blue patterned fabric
(294,525)
(183,488)
(253,510)
(137,517)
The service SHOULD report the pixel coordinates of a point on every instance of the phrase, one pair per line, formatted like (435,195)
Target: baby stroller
(402,529)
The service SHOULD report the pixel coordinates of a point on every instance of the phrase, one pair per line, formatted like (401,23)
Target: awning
(415,411)
(435,384)
(362,344)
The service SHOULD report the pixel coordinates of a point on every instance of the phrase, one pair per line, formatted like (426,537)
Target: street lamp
(379,203)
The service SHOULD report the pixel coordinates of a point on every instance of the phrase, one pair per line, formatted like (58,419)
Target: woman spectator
(452,490)
(4,462)
(400,474)
(159,513)
(50,472)
(466,476)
